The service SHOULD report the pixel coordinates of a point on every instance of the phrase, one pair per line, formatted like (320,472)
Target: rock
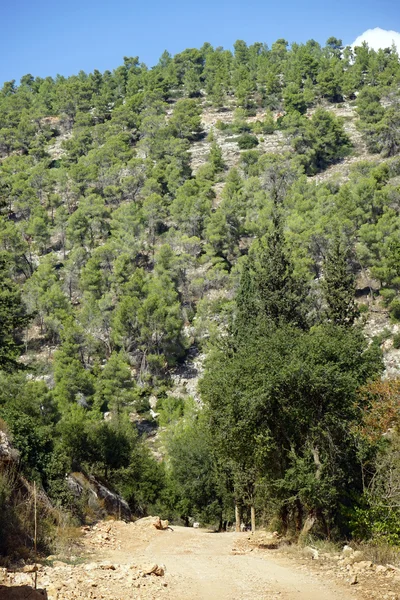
(312,552)
(351,559)
(154,569)
(347,550)
(8,454)
(149,569)
(107,567)
(90,567)
(381,569)
(363,565)
(30,568)
(101,499)
(159,524)
(275,534)
(354,580)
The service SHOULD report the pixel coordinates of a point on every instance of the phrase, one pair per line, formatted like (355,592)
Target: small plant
(385,334)
(388,295)
(363,308)
(396,341)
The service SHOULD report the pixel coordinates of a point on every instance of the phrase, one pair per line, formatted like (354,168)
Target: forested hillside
(237,208)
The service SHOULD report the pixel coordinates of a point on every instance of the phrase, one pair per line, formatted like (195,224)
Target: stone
(381,569)
(154,569)
(91,566)
(149,569)
(8,454)
(347,550)
(160,571)
(363,565)
(30,568)
(354,580)
(312,552)
(107,566)
(159,524)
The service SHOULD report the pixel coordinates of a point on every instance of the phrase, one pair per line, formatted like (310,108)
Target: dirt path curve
(205,566)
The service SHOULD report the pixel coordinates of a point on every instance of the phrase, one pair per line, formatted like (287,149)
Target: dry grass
(380,554)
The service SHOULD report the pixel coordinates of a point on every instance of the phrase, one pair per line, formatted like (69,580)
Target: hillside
(230,216)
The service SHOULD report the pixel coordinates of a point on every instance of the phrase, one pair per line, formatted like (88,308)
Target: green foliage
(127,260)
(320,141)
(12,317)
(339,286)
(193,487)
(170,410)
(246,141)
(394,309)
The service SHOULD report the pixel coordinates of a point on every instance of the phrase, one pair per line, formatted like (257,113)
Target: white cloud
(378,38)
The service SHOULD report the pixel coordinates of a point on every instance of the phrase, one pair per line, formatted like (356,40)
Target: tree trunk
(253,518)
(284,518)
(238,517)
(308,525)
(299,516)
(220,524)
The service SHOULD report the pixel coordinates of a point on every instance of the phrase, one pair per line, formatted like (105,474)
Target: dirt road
(207,566)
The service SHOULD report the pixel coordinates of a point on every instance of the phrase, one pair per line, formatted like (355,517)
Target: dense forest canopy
(149,215)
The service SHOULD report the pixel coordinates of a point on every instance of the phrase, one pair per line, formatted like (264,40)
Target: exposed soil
(125,561)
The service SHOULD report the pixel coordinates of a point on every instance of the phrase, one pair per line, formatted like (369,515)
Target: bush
(388,294)
(394,309)
(396,341)
(247,141)
(170,410)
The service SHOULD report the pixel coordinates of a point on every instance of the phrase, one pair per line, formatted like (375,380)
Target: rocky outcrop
(100,499)
(8,454)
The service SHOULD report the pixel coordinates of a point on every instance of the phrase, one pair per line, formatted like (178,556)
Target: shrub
(394,309)
(247,141)
(388,294)
(170,410)
(396,341)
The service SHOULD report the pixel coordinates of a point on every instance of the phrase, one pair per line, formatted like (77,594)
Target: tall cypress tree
(338,285)
(268,289)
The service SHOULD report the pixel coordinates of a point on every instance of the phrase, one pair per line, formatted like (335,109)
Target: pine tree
(12,317)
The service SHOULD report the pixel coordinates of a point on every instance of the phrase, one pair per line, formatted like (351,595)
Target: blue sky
(46,38)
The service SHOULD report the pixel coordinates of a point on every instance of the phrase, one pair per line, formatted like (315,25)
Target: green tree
(114,386)
(13,317)
(339,286)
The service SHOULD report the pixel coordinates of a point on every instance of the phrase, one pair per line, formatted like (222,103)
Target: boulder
(154,569)
(159,524)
